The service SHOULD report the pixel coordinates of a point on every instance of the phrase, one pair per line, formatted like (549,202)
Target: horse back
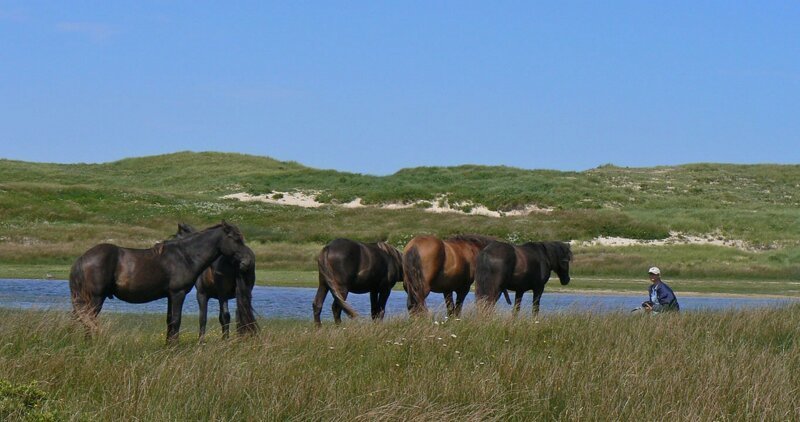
(504,258)
(340,261)
(528,263)
(461,257)
(93,272)
(534,263)
(432,255)
(377,269)
(142,275)
(459,261)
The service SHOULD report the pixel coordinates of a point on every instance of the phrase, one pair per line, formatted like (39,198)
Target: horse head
(232,244)
(563,258)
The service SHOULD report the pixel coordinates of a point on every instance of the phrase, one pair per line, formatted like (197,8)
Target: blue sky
(376,86)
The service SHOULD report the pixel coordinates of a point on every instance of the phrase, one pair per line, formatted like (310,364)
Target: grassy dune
(52,213)
(693,366)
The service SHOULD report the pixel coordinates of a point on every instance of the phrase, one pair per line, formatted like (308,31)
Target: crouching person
(662,298)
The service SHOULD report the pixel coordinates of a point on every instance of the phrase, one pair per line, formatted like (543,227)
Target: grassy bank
(702,366)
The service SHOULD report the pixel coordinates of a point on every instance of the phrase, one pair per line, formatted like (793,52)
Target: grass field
(692,366)
(739,365)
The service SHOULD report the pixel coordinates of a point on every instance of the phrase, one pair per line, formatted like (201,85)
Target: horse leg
(460,297)
(337,310)
(224,318)
(87,313)
(411,305)
(537,296)
(374,304)
(517,301)
(383,297)
(319,299)
(202,303)
(175,302)
(169,314)
(448,301)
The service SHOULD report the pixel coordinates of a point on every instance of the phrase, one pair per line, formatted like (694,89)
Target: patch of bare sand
(440,205)
(675,238)
(298,199)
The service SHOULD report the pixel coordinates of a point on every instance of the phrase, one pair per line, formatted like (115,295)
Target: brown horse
(503,266)
(168,269)
(226,279)
(444,266)
(350,266)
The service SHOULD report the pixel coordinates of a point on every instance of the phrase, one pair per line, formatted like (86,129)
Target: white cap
(654,270)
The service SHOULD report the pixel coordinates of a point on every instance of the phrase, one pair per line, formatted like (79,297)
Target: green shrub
(23,403)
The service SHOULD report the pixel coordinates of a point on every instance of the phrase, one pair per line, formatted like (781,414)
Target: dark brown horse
(168,269)
(226,279)
(350,266)
(503,266)
(444,266)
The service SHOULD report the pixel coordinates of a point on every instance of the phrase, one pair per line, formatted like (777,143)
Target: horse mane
(475,239)
(174,238)
(553,248)
(385,246)
(391,250)
(158,248)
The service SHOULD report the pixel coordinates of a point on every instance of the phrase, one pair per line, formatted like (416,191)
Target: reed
(690,366)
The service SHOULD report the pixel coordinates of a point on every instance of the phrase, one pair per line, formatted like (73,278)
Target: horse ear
(185,228)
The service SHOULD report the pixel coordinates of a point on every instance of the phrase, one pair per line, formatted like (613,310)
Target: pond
(295,302)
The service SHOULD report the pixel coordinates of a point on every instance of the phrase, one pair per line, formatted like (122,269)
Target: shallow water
(295,302)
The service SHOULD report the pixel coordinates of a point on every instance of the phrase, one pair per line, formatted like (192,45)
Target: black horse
(519,268)
(169,269)
(226,279)
(350,266)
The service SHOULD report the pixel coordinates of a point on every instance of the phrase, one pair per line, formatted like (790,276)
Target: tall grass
(694,366)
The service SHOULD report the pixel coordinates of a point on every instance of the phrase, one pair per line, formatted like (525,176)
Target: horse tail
(413,278)
(483,278)
(76,286)
(245,316)
(81,299)
(324,266)
(490,274)
(90,283)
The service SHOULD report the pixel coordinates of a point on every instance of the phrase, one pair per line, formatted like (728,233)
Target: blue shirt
(663,297)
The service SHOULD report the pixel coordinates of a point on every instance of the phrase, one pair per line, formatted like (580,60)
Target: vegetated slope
(178,173)
(52,212)
(756,202)
(692,186)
